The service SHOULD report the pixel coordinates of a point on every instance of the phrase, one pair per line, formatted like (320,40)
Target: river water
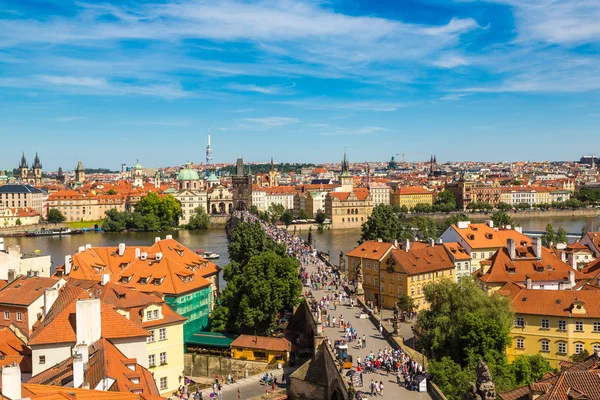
(332,241)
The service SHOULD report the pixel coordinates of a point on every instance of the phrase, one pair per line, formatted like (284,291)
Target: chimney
(78,375)
(406,245)
(561,246)
(143,256)
(137,252)
(50,296)
(572,260)
(104,279)
(1,244)
(439,241)
(169,237)
(379,240)
(431,242)
(536,243)
(88,320)
(81,249)
(463,224)
(489,223)
(11,381)
(395,243)
(519,229)
(157,239)
(528,282)
(572,278)
(563,256)
(121,249)
(512,250)
(158,256)
(508,227)
(68,264)
(88,246)
(83,350)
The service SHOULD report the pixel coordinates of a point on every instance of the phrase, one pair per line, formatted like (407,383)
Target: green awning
(210,339)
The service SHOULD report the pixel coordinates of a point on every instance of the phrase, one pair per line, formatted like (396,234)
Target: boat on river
(53,232)
(209,255)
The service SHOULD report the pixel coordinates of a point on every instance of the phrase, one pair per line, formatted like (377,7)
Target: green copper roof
(188,175)
(213,178)
(137,165)
(210,339)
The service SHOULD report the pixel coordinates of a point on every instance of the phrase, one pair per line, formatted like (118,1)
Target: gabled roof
(456,251)
(482,236)
(411,190)
(14,350)
(422,258)
(48,392)
(25,290)
(178,271)
(59,326)
(547,268)
(105,360)
(371,249)
(262,343)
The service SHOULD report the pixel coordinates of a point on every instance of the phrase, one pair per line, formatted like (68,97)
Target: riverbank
(521,214)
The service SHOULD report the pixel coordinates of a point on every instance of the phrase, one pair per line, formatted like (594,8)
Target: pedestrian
(364,342)
(372,387)
(381,329)
(381,387)
(239,395)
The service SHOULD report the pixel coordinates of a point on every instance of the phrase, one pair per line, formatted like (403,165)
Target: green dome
(213,178)
(188,175)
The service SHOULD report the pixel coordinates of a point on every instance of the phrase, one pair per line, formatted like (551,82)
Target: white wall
(55,353)
(133,348)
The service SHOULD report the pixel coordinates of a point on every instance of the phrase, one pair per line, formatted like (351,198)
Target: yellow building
(391,270)
(261,348)
(410,196)
(553,323)
(348,209)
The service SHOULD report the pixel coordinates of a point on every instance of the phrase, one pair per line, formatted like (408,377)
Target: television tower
(208,150)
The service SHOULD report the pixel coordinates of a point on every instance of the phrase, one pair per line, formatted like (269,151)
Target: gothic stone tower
(242,188)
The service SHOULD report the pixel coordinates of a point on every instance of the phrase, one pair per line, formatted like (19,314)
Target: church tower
(157,176)
(345,177)
(79,173)
(24,168)
(272,174)
(242,188)
(138,179)
(37,169)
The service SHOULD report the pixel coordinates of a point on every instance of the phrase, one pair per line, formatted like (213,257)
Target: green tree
(200,220)
(303,215)
(383,223)
(287,217)
(55,216)
(167,209)
(445,201)
(275,211)
(111,191)
(561,236)
(18,222)
(427,227)
(406,304)
(500,218)
(503,206)
(453,220)
(450,377)
(254,210)
(247,240)
(151,223)
(548,237)
(320,217)
(463,323)
(579,357)
(529,368)
(309,239)
(266,285)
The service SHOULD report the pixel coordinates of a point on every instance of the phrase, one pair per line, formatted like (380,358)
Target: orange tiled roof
(179,271)
(456,251)
(482,236)
(108,361)
(422,258)
(548,268)
(59,325)
(25,290)
(14,350)
(370,249)
(262,343)
(408,190)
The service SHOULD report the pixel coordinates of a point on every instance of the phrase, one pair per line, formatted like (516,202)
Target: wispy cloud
(67,119)
(72,80)
(274,90)
(452,97)
(272,122)
(451,61)
(365,130)
(328,104)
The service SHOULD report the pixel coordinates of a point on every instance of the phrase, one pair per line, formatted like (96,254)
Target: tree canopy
(152,213)
(55,216)
(275,211)
(262,281)
(200,220)
(383,223)
(548,237)
(500,218)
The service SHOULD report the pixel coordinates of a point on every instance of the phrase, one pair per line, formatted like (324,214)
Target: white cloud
(72,80)
(451,61)
(271,122)
(274,90)
(67,119)
(452,97)
(365,130)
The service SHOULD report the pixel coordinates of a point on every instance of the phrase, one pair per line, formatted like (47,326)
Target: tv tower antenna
(208,150)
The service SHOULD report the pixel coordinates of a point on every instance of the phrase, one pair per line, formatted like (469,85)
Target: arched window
(356,211)
(343,220)
(348,211)
(418,289)
(412,290)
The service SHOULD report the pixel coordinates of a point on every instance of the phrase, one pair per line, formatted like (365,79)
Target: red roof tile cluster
(14,350)
(371,249)
(422,258)
(25,290)
(262,343)
(166,267)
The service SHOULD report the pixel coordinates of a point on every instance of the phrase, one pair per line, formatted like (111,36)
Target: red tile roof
(371,250)
(14,350)
(262,343)
(25,290)
(422,258)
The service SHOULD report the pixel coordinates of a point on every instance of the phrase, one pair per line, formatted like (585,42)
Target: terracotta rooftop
(422,258)
(411,190)
(370,249)
(456,251)
(262,343)
(105,360)
(59,324)
(177,271)
(25,290)
(13,349)
(482,236)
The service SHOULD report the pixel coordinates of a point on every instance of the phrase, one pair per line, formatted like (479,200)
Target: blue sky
(111,82)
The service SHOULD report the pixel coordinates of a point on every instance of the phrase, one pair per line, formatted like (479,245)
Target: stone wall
(516,215)
(218,221)
(210,366)
(434,391)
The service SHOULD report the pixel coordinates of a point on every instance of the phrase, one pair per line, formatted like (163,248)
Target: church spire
(345,167)
(23,163)
(36,161)
(272,165)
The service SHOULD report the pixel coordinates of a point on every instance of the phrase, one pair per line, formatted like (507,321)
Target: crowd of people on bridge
(318,275)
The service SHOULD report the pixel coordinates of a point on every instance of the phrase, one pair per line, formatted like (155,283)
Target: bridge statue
(396,320)
(485,389)
(342,264)
(358,279)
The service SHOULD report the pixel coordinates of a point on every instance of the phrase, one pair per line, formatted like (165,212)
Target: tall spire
(208,150)
(23,163)
(272,165)
(345,167)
